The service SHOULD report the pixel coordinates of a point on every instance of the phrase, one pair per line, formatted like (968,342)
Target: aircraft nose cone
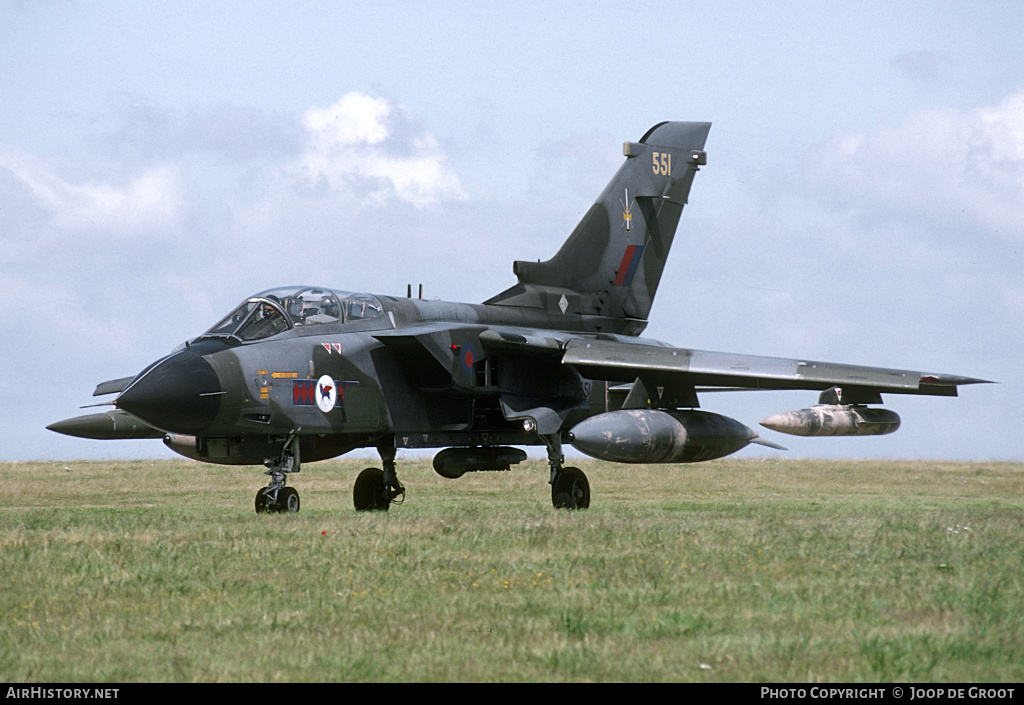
(181,393)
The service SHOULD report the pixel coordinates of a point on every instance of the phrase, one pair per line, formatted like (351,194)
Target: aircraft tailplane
(612,262)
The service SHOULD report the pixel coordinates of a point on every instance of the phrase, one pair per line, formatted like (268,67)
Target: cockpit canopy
(276,310)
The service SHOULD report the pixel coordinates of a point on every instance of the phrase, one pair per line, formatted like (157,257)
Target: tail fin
(612,262)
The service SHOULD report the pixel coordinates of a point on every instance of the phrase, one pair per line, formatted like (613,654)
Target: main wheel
(370,492)
(570,490)
(265,505)
(288,500)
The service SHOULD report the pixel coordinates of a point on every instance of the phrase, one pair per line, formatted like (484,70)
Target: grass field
(734,570)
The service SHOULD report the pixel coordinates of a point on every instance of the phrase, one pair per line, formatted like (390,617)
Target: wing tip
(951,380)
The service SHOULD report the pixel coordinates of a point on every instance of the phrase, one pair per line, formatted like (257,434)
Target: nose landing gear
(275,497)
(286,500)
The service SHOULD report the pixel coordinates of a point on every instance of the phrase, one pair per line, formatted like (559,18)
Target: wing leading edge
(624,362)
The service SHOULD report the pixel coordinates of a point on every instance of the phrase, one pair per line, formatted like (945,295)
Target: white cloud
(948,168)
(353,119)
(364,147)
(147,203)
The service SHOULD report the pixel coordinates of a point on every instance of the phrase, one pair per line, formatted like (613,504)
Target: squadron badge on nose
(326,393)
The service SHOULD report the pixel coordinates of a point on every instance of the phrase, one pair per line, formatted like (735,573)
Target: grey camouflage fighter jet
(303,373)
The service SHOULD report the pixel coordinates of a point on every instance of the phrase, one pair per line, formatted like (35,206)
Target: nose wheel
(285,499)
(276,498)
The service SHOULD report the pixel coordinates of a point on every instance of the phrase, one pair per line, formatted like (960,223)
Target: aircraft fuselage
(430,372)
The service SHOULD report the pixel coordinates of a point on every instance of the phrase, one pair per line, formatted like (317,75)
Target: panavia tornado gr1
(305,373)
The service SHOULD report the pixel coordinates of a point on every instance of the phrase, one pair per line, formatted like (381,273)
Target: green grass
(735,570)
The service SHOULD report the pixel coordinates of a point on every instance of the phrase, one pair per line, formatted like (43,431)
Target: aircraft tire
(571,489)
(288,500)
(368,494)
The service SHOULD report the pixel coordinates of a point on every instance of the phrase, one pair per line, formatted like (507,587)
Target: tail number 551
(662,163)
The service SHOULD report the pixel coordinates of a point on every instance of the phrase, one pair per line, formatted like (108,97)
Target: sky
(863,200)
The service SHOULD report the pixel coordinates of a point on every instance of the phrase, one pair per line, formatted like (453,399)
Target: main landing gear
(570,488)
(376,489)
(275,497)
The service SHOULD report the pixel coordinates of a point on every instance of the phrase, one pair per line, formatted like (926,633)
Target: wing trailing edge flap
(624,362)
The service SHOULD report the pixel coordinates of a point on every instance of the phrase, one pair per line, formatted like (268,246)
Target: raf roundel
(326,393)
